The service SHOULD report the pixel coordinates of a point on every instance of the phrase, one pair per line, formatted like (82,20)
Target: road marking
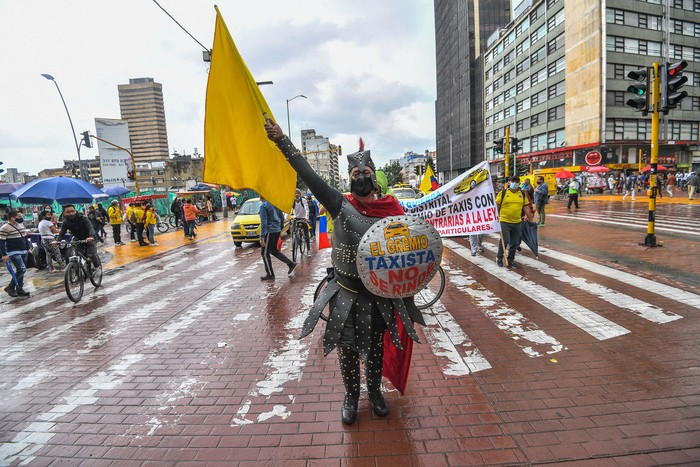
(586,320)
(448,340)
(638,307)
(286,362)
(532,340)
(640,224)
(663,290)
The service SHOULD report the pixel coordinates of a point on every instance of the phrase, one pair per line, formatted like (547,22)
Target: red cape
(396,362)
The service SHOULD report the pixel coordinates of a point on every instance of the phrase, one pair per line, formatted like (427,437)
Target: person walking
(48,233)
(103,220)
(114,213)
(512,203)
(139,219)
(150,224)
(693,183)
(630,185)
(611,183)
(671,184)
(270,229)
(14,247)
(541,199)
(95,219)
(313,214)
(574,190)
(190,214)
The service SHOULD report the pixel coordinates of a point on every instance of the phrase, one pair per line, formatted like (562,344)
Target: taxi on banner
(472,181)
(245,227)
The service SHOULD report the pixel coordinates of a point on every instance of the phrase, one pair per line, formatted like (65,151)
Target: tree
(393,173)
(431,163)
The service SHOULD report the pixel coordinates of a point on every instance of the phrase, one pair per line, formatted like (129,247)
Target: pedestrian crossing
(687,223)
(457,349)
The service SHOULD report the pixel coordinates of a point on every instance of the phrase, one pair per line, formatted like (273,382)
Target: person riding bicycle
(300,211)
(81,229)
(358,319)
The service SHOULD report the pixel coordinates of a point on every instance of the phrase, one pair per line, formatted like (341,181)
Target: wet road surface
(585,355)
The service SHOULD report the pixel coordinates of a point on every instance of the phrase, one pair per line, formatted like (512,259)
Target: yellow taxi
(396,229)
(245,227)
(404,192)
(472,181)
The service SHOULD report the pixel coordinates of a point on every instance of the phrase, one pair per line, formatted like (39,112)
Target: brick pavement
(196,363)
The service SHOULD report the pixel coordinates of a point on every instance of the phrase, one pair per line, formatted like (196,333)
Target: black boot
(21,292)
(373,372)
(10,289)
(350,371)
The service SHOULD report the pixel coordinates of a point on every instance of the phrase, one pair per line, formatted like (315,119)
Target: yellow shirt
(129,210)
(511,206)
(150,218)
(115,215)
(139,215)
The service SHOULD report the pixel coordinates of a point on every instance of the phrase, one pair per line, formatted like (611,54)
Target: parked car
(245,227)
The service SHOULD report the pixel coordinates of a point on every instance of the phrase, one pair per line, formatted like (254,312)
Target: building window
(523,66)
(641,129)
(556,90)
(523,26)
(508,57)
(619,72)
(618,129)
(555,113)
(537,56)
(523,124)
(642,21)
(539,12)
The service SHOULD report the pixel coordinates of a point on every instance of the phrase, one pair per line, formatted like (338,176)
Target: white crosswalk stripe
(585,319)
(621,300)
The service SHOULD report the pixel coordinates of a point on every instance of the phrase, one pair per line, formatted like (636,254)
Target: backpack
(312,208)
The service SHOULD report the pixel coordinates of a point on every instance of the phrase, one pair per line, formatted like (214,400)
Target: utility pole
(650,239)
(133,163)
(506,143)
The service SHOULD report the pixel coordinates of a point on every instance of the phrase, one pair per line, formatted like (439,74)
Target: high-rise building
(321,155)
(141,104)
(557,78)
(461,31)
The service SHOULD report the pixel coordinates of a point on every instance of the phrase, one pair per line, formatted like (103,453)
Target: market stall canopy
(60,189)
(187,194)
(141,199)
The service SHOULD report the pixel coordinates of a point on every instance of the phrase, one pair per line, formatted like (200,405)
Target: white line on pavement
(588,321)
(638,307)
(525,334)
(582,217)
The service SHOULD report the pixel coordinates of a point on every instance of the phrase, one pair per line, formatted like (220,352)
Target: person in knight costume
(360,323)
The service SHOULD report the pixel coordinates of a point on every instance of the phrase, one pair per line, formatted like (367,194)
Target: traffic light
(672,80)
(130,175)
(86,139)
(418,170)
(515,145)
(498,146)
(640,90)
(340,150)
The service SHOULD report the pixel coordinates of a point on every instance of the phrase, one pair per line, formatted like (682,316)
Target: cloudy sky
(366,66)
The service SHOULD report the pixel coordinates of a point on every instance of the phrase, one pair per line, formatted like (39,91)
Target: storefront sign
(593,158)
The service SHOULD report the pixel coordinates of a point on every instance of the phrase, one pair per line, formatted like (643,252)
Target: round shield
(398,256)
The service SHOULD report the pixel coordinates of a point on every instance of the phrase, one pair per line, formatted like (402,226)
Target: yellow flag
(427,185)
(236,149)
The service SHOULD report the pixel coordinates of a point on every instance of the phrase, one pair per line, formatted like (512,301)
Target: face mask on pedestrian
(19,220)
(514,185)
(362,185)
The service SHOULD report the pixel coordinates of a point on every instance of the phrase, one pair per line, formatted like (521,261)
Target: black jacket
(80,227)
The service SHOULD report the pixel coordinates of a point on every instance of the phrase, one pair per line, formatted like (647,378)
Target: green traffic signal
(641,102)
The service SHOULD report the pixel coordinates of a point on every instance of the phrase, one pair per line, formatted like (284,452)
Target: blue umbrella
(7,188)
(60,189)
(116,190)
(200,187)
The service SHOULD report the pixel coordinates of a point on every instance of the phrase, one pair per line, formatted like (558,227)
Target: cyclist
(81,229)
(301,214)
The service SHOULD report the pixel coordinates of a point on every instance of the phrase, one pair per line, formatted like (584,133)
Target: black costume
(358,318)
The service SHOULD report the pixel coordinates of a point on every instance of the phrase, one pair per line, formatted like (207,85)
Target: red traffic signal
(672,80)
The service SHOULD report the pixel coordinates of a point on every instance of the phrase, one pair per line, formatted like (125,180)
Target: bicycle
(423,299)
(161,225)
(298,242)
(79,267)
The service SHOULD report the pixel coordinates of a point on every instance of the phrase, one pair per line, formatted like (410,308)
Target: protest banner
(464,206)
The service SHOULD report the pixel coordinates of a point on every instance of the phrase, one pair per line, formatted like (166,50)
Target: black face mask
(19,220)
(362,185)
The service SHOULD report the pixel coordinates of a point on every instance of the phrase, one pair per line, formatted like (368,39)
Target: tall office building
(557,78)
(461,30)
(321,155)
(141,104)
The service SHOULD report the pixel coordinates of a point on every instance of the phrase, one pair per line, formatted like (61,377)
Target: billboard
(114,163)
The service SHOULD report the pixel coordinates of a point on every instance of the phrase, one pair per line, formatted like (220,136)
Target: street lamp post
(289,128)
(77,145)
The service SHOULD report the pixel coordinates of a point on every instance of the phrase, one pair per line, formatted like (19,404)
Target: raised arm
(326,194)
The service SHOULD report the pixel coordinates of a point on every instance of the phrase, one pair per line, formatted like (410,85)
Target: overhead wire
(181,26)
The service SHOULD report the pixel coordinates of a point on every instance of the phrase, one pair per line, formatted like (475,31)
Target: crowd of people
(628,183)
